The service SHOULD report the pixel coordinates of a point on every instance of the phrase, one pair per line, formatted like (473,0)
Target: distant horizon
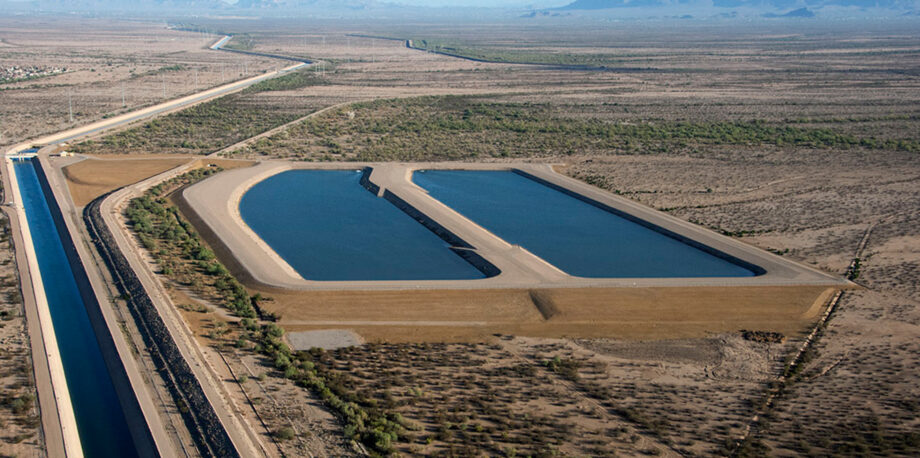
(535,11)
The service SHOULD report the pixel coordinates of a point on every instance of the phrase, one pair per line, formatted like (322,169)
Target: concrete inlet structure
(216,202)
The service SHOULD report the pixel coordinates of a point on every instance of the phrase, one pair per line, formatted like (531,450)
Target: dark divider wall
(366,181)
(457,245)
(140,432)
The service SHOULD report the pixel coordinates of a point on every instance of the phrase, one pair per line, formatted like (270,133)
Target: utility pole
(196,78)
(70,105)
(164,85)
(123,103)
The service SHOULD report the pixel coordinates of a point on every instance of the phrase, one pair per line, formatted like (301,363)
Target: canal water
(328,227)
(576,237)
(100,418)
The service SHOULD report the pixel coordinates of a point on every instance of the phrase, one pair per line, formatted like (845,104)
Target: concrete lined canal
(100,419)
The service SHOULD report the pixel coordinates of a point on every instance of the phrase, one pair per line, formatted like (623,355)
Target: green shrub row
(163,231)
(161,228)
(374,428)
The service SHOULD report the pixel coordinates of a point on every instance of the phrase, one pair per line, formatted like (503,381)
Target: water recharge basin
(577,237)
(100,419)
(328,227)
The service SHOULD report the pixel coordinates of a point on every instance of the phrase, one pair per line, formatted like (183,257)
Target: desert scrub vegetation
(468,128)
(473,399)
(365,421)
(178,249)
(19,419)
(210,126)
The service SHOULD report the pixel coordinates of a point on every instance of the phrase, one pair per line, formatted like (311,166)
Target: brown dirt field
(627,313)
(92,178)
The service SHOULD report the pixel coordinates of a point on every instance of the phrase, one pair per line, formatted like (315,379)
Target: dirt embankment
(93,177)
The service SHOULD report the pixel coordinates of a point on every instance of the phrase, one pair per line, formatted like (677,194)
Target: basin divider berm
(456,244)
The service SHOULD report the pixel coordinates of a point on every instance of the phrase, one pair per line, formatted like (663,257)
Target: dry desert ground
(821,194)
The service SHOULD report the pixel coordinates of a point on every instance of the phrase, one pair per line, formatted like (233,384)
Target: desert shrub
(467,127)
(175,244)
(565,367)
(286,433)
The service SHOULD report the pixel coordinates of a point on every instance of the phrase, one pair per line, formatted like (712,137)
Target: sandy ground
(327,339)
(93,177)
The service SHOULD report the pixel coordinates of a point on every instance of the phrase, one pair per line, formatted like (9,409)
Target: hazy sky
(537,4)
(493,3)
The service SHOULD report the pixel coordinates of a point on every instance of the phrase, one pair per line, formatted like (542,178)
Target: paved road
(105,124)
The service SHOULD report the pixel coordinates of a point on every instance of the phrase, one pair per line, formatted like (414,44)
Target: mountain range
(775,4)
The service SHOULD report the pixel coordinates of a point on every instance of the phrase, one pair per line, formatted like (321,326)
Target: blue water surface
(329,227)
(100,418)
(576,237)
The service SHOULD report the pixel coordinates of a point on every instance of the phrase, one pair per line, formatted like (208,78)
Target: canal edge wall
(61,435)
(104,328)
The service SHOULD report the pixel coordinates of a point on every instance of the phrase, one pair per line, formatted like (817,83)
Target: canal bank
(59,426)
(104,405)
